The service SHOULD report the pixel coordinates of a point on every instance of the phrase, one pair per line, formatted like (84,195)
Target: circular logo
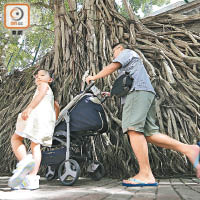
(16,14)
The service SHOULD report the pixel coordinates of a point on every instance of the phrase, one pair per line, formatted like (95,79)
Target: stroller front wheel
(69,172)
(51,172)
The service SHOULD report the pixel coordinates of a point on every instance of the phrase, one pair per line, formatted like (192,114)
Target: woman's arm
(57,109)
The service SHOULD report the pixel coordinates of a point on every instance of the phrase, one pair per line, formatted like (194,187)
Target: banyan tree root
(83,41)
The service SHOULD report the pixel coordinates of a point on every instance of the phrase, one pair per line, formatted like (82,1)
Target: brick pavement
(105,189)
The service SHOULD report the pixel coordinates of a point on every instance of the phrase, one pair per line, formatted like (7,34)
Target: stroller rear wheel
(51,172)
(69,172)
(97,171)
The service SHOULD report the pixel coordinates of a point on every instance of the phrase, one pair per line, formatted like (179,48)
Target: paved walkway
(105,189)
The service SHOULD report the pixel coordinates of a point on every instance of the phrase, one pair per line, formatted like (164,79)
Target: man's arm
(109,69)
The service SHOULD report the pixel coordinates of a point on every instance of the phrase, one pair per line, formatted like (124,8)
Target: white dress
(39,126)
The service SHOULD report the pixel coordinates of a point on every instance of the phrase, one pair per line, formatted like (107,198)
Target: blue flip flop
(197,160)
(138,183)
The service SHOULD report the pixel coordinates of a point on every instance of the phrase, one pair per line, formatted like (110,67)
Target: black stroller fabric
(54,156)
(86,116)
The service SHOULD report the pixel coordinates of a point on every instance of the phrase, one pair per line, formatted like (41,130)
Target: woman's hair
(52,84)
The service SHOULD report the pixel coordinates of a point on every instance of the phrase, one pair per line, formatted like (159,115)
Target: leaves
(23,48)
(144,6)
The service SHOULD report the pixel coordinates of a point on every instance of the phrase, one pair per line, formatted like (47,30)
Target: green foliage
(145,6)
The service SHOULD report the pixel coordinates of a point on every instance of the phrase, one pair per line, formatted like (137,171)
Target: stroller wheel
(51,172)
(69,172)
(98,171)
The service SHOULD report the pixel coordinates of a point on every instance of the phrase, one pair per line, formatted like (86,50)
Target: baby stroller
(79,122)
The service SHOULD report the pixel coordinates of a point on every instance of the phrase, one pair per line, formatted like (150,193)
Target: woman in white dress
(36,123)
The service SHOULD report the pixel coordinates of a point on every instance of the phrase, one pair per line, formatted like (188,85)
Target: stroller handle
(89,86)
(104,99)
(96,92)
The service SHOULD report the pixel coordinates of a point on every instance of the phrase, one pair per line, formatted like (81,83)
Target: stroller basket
(55,156)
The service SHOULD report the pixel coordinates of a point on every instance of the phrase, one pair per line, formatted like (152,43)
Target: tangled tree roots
(83,42)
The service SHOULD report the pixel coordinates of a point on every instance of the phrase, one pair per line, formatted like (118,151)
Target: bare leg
(18,147)
(167,142)
(25,165)
(35,148)
(191,151)
(140,149)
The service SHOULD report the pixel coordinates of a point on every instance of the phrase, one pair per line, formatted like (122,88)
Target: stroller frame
(69,167)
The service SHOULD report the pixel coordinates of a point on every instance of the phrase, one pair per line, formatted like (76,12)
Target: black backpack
(122,85)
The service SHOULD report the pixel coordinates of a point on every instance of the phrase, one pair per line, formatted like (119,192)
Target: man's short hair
(124,45)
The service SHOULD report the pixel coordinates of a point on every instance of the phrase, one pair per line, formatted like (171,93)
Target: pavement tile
(105,189)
